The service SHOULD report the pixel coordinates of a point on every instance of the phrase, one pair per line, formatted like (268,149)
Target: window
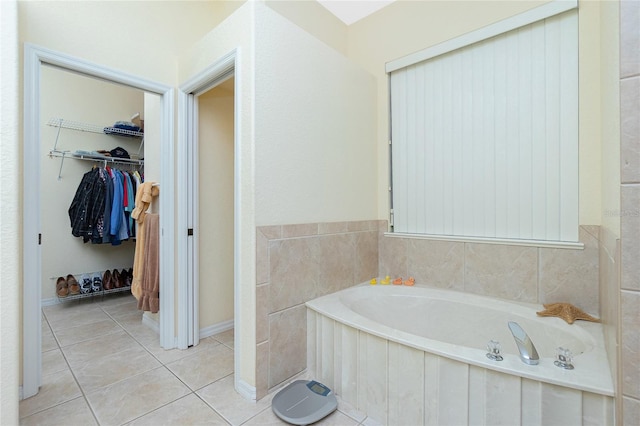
(485,134)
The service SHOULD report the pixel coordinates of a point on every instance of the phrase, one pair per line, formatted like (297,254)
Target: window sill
(484,240)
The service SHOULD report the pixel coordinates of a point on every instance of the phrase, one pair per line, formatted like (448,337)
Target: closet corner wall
(82,99)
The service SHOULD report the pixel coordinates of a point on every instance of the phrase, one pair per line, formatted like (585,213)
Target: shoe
(115,276)
(127,278)
(62,288)
(107,283)
(96,283)
(74,287)
(123,278)
(85,286)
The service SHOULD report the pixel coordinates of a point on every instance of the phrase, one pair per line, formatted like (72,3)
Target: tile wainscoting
(524,274)
(297,263)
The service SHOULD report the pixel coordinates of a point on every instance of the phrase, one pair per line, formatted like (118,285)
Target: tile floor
(101,365)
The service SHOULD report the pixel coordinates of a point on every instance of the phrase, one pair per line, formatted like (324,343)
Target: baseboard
(245,390)
(214,329)
(50,302)
(151,323)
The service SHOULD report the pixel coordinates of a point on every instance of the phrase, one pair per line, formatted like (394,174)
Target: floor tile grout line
(137,341)
(256,415)
(92,338)
(49,408)
(209,405)
(130,377)
(122,327)
(158,408)
(82,392)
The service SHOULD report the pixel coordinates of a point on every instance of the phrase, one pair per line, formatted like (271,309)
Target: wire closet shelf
(92,128)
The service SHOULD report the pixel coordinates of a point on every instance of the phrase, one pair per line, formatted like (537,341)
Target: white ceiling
(350,11)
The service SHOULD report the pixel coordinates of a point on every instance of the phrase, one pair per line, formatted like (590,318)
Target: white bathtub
(417,355)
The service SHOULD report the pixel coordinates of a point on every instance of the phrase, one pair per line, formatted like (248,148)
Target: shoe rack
(94,287)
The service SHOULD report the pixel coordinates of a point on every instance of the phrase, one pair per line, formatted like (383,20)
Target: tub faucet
(528,352)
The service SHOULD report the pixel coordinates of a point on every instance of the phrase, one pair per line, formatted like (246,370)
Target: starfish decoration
(566,311)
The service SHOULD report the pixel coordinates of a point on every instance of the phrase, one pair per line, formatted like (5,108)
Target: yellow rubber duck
(386,280)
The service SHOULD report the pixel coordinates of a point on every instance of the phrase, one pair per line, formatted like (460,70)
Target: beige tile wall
(526,274)
(297,263)
(609,296)
(630,211)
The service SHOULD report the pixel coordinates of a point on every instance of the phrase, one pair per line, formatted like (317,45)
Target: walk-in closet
(91,131)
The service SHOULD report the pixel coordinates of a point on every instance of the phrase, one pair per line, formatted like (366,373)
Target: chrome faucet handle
(564,358)
(493,348)
(528,352)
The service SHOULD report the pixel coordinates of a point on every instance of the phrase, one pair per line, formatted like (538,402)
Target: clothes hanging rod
(101,159)
(70,154)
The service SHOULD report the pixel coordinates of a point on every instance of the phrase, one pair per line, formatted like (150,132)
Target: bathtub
(417,355)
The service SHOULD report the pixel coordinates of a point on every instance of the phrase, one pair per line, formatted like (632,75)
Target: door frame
(34,58)
(187,177)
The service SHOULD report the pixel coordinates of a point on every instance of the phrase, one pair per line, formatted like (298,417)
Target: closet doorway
(208,253)
(42,67)
(75,109)
(216,213)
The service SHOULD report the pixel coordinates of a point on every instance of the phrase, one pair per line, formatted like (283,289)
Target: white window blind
(485,137)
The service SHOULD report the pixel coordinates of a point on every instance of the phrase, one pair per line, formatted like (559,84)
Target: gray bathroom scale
(304,402)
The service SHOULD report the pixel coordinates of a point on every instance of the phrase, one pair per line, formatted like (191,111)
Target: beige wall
(10,230)
(609,109)
(216,209)
(315,20)
(315,146)
(143,38)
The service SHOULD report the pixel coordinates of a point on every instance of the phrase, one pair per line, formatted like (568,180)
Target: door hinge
(190,232)
(39,239)
(391,217)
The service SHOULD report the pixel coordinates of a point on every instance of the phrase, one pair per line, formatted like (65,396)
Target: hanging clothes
(116,209)
(144,195)
(150,284)
(106,237)
(129,203)
(101,208)
(87,206)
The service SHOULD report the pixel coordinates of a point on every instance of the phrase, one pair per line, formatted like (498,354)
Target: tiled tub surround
(629,289)
(416,374)
(519,273)
(609,300)
(297,263)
